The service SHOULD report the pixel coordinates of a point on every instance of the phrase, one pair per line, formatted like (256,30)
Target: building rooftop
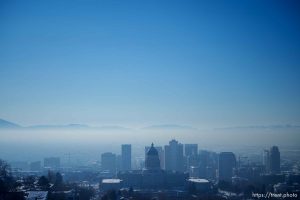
(37,195)
(111,181)
(198,180)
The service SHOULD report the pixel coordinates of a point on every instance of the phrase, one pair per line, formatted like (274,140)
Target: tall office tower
(191,156)
(274,159)
(36,166)
(52,162)
(203,163)
(266,160)
(227,162)
(126,157)
(190,149)
(108,162)
(174,156)
(118,163)
(152,161)
(161,155)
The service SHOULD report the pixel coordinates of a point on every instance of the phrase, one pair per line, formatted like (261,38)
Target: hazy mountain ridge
(169,127)
(261,127)
(7,124)
(71,126)
(4,124)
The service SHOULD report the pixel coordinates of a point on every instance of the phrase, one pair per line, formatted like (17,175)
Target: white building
(110,184)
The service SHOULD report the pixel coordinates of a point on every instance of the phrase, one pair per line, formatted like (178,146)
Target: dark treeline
(12,188)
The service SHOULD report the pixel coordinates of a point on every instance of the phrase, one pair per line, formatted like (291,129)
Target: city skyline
(198,64)
(222,175)
(151,99)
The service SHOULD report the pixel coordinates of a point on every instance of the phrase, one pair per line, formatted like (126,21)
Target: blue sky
(136,63)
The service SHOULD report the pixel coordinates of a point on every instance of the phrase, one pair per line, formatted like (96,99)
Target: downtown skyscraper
(174,156)
(126,157)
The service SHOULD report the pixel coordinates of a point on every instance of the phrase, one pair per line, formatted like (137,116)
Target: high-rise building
(227,163)
(52,162)
(266,160)
(118,162)
(36,166)
(190,149)
(21,165)
(191,156)
(161,155)
(108,162)
(126,157)
(174,156)
(203,163)
(274,159)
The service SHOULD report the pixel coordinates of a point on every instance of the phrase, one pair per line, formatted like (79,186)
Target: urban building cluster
(173,171)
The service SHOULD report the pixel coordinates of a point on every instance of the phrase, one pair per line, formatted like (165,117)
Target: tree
(51,176)
(58,184)
(110,195)
(130,191)
(4,169)
(86,193)
(192,188)
(249,190)
(57,196)
(225,185)
(43,182)
(29,181)
(7,182)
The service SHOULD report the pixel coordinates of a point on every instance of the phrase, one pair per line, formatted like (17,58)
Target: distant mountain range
(4,124)
(169,127)
(7,124)
(10,125)
(261,127)
(68,126)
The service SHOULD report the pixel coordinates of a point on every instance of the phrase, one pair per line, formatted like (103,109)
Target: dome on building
(152,161)
(152,151)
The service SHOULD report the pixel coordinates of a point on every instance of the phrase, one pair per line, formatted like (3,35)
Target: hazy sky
(136,63)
